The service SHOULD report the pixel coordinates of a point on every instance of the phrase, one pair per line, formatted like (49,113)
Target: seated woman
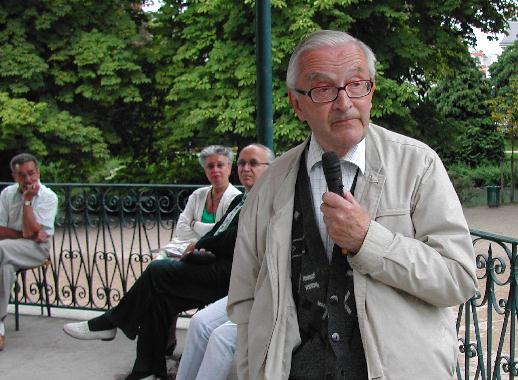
(205,205)
(168,287)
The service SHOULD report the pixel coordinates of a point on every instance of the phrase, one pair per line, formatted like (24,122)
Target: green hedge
(466,179)
(483,175)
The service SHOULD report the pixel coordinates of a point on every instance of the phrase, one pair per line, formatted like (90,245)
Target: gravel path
(501,220)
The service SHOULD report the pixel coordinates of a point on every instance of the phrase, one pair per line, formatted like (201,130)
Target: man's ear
(295,105)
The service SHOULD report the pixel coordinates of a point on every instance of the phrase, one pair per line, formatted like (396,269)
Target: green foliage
(70,72)
(505,105)
(505,110)
(504,77)
(104,91)
(460,102)
(178,167)
(486,174)
(505,68)
(209,66)
(465,179)
(71,149)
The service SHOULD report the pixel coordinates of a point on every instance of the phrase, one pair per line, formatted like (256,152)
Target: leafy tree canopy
(47,132)
(67,69)
(464,117)
(504,69)
(152,85)
(209,61)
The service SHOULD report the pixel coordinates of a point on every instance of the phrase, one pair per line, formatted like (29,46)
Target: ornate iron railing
(486,324)
(104,234)
(103,237)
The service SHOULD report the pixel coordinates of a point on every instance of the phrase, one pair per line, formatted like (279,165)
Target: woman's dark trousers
(164,289)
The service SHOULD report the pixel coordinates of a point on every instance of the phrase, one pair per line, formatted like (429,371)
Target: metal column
(264,120)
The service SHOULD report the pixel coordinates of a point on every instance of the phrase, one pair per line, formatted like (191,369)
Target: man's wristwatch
(26,203)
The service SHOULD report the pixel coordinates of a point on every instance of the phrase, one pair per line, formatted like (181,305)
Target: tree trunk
(512,168)
(502,181)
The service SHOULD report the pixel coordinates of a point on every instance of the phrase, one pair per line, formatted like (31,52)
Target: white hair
(326,38)
(215,150)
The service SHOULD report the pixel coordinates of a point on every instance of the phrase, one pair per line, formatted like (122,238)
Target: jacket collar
(283,198)
(370,186)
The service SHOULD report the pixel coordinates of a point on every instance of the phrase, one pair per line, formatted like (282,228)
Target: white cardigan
(184,234)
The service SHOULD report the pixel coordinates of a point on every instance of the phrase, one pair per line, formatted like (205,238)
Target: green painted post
(264,119)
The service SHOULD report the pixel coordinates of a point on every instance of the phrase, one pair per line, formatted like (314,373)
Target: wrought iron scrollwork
(487,323)
(104,234)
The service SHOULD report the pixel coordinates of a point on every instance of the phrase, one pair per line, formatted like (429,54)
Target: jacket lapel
(370,185)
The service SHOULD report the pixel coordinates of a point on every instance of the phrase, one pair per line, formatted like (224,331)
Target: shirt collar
(355,155)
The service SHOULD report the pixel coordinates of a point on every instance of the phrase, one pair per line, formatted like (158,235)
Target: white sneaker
(80,330)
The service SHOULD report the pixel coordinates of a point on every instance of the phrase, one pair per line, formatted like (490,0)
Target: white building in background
(484,61)
(487,52)
(512,35)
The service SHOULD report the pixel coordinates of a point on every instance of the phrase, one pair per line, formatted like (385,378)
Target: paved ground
(501,220)
(40,350)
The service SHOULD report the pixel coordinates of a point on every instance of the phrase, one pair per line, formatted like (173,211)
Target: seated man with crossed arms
(27,213)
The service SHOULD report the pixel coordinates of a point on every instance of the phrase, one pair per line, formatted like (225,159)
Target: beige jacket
(417,260)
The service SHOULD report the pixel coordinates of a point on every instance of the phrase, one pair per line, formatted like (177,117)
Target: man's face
(251,164)
(26,175)
(341,124)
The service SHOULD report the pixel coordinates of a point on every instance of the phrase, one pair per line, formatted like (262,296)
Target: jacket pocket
(397,220)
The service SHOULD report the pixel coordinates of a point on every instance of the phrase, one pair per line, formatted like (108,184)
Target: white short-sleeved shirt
(44,206)
(354,160)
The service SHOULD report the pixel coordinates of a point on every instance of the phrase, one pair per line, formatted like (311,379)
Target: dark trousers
(164,289)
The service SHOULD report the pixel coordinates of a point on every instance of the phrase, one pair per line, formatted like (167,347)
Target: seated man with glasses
(210,342)
(168,287)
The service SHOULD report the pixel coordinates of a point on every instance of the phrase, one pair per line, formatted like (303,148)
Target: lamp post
(264,119)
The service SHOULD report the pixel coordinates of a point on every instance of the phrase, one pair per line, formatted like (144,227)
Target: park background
(112,92)
(118,91)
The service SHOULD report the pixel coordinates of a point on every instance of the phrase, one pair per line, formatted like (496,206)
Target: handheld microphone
(333,174)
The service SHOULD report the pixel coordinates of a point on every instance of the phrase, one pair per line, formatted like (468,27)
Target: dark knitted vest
(331,346)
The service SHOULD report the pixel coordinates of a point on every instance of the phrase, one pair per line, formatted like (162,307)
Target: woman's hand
(190,248)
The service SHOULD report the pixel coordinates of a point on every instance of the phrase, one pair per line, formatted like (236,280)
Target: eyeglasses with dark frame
(326,94)
(253,163)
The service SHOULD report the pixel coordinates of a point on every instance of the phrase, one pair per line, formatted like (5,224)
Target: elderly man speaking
(358,285)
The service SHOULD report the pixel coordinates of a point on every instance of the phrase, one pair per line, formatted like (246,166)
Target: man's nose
(342,101)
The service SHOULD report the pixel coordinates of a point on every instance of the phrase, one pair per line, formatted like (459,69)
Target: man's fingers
(332,199)
(350,198)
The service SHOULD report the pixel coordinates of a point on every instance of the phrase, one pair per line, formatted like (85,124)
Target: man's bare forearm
(30,227)
(9,233)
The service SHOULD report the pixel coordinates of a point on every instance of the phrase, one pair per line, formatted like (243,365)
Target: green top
(207,217)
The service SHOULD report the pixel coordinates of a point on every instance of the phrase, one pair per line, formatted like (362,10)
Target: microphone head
(331,166)
(332,172)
